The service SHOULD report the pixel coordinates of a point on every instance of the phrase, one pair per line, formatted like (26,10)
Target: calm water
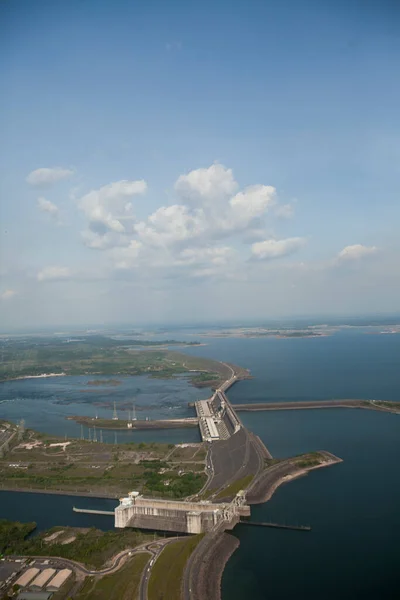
(49,510)
(45,404)
(353,508)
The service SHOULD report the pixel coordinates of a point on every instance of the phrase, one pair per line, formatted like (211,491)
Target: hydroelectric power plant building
(185,517)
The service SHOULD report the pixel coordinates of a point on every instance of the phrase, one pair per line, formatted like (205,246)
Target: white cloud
(126,258)
(269,249)
(356,252)
(48,207)
(186,235)
(206,186)
(8,294)
(108,209)
(171,225)
(54,273)
(284,211)
(47,176)
(253,202)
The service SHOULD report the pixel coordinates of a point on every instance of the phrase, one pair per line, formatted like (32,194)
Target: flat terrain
(122,585)
(91,547)
(42,462)
(167,573)
(100,355)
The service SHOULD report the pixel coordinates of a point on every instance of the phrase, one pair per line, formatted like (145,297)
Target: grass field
(162,470)
(100,355)
(166,575)
(122,585)
(235,487)
(91,547)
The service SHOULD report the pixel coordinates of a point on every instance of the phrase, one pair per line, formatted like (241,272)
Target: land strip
(119,424)
(166,577)
(36,462)
(311,404)
(263,487)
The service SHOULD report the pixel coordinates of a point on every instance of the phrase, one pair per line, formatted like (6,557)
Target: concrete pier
(91,511)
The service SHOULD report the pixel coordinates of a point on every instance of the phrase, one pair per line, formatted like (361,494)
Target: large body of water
(45,404)
(353,508)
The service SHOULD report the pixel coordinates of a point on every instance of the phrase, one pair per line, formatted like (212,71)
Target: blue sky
(179,161)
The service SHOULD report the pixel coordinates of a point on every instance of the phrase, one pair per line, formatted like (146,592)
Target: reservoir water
(353,508)
(45,404)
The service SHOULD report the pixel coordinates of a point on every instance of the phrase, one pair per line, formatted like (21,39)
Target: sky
(187,161)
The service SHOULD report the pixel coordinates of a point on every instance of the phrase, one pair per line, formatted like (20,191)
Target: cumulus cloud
(45,177)
(8,294)
(269,249)
(108,209)
(355,252)
(53,273)
(284,211)
(206,186)
(189,234)
(48,207)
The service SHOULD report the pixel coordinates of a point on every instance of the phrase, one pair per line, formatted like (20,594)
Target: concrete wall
(190,517)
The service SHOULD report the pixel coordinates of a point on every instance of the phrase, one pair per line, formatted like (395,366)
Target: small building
(41,579)
(59,580)
(26,577)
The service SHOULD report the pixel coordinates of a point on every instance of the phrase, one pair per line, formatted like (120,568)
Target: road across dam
(234,455)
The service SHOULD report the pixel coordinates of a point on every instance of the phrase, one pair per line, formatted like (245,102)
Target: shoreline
(59,493)
(263,488)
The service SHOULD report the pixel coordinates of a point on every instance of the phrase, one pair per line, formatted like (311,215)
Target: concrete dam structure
(185,517)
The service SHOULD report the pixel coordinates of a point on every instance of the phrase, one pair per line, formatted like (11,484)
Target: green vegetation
(12,533)
(91,547)
(206,494)
(166,575)
(103,469)
(309,462)
(312,459)
(99,355)
(205,379)
(122,585)
(235,487)
(171,485)
(393,406)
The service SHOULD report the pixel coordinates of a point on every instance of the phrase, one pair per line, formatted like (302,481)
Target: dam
(234,457)
(177,516)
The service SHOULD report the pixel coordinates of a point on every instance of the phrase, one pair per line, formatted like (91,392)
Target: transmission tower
(115,416)
(82,435)
(101,436)
(94,434)
(90,435)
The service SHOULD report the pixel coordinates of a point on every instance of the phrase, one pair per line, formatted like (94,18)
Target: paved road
(155,548)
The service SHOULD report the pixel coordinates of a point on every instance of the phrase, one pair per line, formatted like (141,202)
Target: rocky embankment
(272,477)
(208,563)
